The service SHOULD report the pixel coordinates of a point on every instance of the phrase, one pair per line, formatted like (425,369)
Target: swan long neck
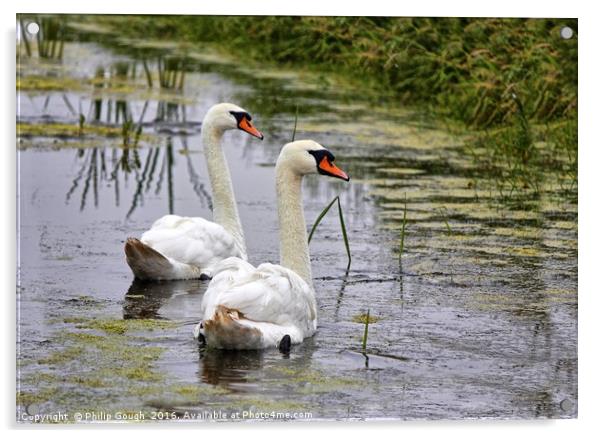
(225,211)
(294,250)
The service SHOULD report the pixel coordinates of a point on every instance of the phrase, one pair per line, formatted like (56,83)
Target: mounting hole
(32,28)
(566,33)
(567,405)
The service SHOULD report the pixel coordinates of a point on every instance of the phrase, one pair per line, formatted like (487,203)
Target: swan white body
(177,247)
(268,302)
(254,308)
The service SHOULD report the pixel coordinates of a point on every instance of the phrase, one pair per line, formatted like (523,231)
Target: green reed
(462,67)
(342,223)
(403,227)
(296,118)
(81,122)
(365,337)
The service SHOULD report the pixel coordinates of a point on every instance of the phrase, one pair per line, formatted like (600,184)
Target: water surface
(477,319)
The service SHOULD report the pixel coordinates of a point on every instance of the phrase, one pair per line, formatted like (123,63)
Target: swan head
(225,116)
(305,157)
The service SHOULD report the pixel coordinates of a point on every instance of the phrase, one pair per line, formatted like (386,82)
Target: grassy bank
(512,81)
(466,69)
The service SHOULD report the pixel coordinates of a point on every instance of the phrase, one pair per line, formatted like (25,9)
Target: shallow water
(479,319)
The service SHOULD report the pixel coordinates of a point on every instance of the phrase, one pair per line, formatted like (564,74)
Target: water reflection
(49,42)
(152,169)
(232,369)
(162,299)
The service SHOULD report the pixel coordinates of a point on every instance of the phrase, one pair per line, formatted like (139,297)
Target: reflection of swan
(186,247)
(158,300)
(241,371)
(271,305)
(229,368)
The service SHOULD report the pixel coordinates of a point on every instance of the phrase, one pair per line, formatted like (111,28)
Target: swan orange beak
(247,126)
(330,169)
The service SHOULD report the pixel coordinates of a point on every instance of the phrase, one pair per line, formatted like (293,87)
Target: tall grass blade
(343,227)
(365,338)
(296,117)
(403,227)
(319,219)
(344,231)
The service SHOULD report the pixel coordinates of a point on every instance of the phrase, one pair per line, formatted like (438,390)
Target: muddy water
(477,318)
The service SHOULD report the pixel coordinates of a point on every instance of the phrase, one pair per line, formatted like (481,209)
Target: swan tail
(149,264)
(226,330)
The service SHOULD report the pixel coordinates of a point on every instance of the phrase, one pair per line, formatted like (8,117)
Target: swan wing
(191,240)
(268,294)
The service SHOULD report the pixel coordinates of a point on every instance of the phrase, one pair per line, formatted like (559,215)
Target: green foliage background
(466,68)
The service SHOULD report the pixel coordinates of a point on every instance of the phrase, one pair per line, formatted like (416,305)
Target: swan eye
(243,121)
(324,162)
(240,115)
(321,154)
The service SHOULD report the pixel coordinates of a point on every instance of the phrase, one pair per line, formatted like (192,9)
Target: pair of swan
(244,307)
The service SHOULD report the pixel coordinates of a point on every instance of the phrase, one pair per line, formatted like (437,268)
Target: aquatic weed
(341,221)
(403,228)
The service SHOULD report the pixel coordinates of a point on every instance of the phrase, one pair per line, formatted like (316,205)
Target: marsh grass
(464,67)
(497,76)
(516,159)
(403,228)
(82,121)
(365,337)
(341,221)
(295,126)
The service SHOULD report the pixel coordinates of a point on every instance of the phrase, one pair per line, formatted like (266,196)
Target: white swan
(271,305)
(177,247)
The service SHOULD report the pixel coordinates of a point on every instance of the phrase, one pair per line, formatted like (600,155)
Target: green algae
(87,301)
(73,320)
(139,373)
(98,362)
(27,398)
(196,392)
(63,356)
(313,381)
(38,83)
(122,326)
(64,130)
(90,381)
(40,378)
